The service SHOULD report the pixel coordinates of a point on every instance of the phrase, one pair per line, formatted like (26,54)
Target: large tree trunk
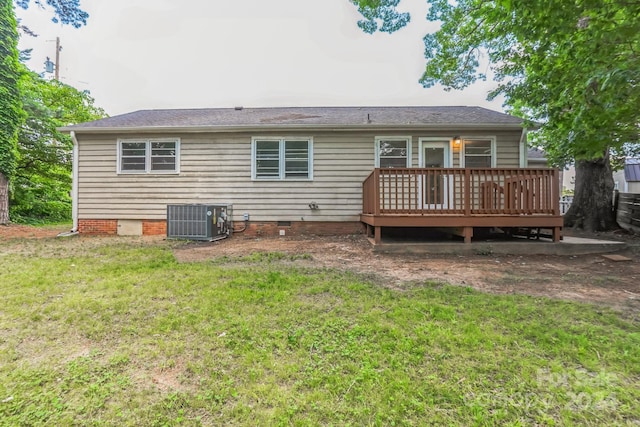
(4,200)
(592,206)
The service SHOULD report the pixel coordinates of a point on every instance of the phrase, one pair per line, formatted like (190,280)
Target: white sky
(146,54)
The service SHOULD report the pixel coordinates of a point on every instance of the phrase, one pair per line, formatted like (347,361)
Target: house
(323,170)
(536,158)
(627,180)
(632,176)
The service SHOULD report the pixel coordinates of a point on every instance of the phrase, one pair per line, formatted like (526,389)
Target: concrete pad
(617,258)
(585,241)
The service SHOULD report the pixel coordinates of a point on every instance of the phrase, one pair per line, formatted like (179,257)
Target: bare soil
(585,278)
(17,231)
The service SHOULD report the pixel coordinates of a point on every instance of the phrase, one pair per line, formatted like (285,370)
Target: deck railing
(461,191)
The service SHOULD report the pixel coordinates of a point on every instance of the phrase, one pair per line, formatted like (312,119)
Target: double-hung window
(479,152)
(282,158)
(149,155)
(393,152)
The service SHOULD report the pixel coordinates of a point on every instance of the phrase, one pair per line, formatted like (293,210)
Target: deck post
(555,192)
(556,234)
(467,192)
(468,234)
(377,233)
(376,192)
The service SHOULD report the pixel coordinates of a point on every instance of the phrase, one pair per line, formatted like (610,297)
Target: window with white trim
(282,158)
(478,153)
(148,155)
(393,152)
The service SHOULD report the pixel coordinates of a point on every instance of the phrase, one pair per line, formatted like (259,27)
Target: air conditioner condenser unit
(199,222)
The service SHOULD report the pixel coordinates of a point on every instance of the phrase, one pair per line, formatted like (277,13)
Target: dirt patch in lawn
(585,278)
(18,231)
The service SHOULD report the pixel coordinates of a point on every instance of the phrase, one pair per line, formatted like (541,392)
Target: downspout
(74,183)
(523,149)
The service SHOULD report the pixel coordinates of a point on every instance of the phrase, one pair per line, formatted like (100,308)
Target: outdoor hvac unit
(199,222)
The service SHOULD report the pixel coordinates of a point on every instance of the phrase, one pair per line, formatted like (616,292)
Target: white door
(435,154)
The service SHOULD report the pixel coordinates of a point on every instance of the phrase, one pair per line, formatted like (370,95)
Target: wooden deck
(461,199)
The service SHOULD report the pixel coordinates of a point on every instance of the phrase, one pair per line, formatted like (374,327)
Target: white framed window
(393,152)
(158,155)
(478,152)
(288,158)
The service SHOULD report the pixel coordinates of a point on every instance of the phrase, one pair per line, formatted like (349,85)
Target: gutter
(74,183)
(523,149)
(290,127)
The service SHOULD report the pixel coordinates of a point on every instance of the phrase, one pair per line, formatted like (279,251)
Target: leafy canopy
(569,65)
(65,11)
(11,114)
(34,157)
(380,15)
(42,182)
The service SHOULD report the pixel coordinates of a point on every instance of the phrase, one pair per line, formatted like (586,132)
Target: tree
(42,180)
(11,113)
(570,66)
(10,108)
(64,11)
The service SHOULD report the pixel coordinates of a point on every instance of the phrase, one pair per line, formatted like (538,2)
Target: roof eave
(285,127)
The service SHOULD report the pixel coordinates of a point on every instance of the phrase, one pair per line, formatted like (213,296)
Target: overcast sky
(148,54)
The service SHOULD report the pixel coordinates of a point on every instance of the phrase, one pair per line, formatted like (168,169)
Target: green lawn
(119,333)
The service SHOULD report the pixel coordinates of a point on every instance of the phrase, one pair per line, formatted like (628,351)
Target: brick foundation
(254,229)
(98,226)
(154,227)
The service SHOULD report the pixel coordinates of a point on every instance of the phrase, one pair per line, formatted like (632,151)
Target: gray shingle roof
(302,117)
(536,153)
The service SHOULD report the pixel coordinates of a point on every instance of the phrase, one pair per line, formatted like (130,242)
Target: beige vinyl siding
(507,147)
(216,168)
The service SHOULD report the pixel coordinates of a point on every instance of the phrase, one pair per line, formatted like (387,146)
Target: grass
(119,333)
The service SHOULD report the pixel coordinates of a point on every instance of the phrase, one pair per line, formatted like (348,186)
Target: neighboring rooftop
(301,117)
(536,153)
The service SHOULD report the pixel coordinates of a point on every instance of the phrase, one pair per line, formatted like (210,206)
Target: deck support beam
(462,225)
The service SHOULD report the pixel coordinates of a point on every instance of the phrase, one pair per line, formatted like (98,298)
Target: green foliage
(12,114)
(42,182)
(65,11)
(570,66)
(10,106)
(115,332)
(381,15)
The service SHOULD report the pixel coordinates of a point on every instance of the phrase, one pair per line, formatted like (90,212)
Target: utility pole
(57,69)
(54,67)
